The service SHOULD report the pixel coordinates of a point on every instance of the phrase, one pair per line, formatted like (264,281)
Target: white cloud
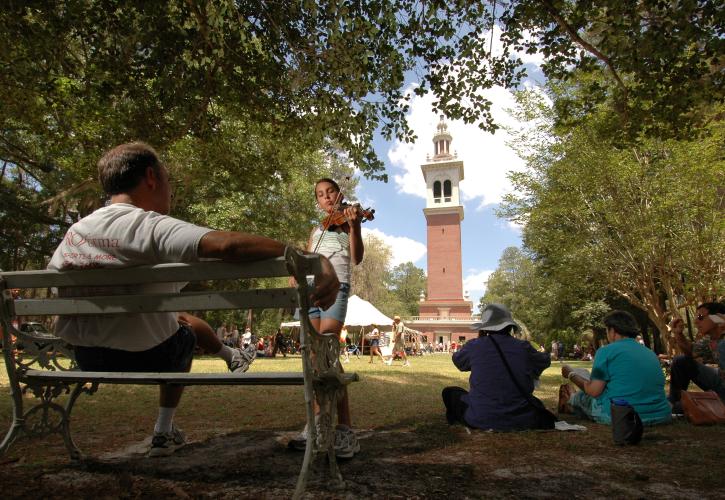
(475,282)
(403,249)
(536,58)
(486,157)
(514,226)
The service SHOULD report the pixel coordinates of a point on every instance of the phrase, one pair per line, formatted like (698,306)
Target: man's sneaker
(164,444)
(389,362)
(241,359)
(407,363)
(346,443)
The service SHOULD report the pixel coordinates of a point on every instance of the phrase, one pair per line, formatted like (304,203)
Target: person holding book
(622,370)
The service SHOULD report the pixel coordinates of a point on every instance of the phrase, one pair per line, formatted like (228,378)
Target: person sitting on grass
(495,401)
(702,361)
(625,370)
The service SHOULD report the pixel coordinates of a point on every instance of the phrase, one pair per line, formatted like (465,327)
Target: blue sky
(486,158)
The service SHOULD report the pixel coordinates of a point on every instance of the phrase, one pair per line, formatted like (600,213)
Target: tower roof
(442,131)
(442,142)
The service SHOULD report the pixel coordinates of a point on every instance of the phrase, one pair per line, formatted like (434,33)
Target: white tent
(362,313)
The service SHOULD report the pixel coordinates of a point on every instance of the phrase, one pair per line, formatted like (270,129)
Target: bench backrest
(288,297)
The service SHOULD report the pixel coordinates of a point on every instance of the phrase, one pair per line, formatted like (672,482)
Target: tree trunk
(250,319)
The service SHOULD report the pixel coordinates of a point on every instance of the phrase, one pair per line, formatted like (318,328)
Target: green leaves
(633,219)
(79,76)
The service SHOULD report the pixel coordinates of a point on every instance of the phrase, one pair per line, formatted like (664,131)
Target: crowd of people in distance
(578,352)
(267,346)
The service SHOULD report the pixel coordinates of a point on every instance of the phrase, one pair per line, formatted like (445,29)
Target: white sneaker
(346,443)
(242,359)
(389,362)
(407,363)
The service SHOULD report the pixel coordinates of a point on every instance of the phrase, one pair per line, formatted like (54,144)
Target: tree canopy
(643,221)
(82,75)
(259,89)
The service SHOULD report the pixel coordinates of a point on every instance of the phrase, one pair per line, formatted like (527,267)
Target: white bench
(46,368)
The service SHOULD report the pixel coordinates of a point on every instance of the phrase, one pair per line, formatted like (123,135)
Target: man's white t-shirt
(116,236)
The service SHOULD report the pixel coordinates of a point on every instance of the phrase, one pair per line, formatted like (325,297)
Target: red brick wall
(459,311)
(445,279)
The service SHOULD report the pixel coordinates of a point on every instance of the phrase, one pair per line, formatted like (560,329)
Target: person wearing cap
(495,401)
(622,370)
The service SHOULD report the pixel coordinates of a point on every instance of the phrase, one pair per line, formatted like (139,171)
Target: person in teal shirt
(624,369)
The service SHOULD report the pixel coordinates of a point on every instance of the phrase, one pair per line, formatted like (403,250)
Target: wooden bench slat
(143,378)
(181,272)
(160,302)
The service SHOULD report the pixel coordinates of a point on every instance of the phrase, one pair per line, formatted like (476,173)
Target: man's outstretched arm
(232,246)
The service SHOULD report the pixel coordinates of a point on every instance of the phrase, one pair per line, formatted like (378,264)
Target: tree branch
(556,15)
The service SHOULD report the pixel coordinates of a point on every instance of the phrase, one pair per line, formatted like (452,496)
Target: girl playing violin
(341,242)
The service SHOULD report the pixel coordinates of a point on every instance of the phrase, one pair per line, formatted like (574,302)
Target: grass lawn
(400,417)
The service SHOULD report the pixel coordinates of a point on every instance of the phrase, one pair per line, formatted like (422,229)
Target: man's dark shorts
(172,355)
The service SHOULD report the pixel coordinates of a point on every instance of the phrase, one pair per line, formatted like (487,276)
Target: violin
(337,216)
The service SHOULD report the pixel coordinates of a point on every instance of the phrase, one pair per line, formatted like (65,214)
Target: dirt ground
(412,460)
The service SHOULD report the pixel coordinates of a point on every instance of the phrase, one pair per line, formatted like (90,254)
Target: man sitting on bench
(132,230)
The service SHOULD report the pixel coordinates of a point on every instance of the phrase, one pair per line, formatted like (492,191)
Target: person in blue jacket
(494,401)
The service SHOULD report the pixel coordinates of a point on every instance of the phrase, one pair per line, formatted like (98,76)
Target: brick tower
(444,213)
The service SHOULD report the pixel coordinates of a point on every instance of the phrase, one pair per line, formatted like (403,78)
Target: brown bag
(703,408)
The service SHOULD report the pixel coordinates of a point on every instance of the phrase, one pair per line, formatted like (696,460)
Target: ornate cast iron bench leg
(15,430)
(73,450)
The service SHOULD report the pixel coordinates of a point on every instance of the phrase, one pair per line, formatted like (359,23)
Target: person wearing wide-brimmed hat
(495,401)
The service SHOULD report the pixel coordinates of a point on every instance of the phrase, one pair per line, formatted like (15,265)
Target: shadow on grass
(408,450)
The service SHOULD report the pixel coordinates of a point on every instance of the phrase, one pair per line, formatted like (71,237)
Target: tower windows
(447,191)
